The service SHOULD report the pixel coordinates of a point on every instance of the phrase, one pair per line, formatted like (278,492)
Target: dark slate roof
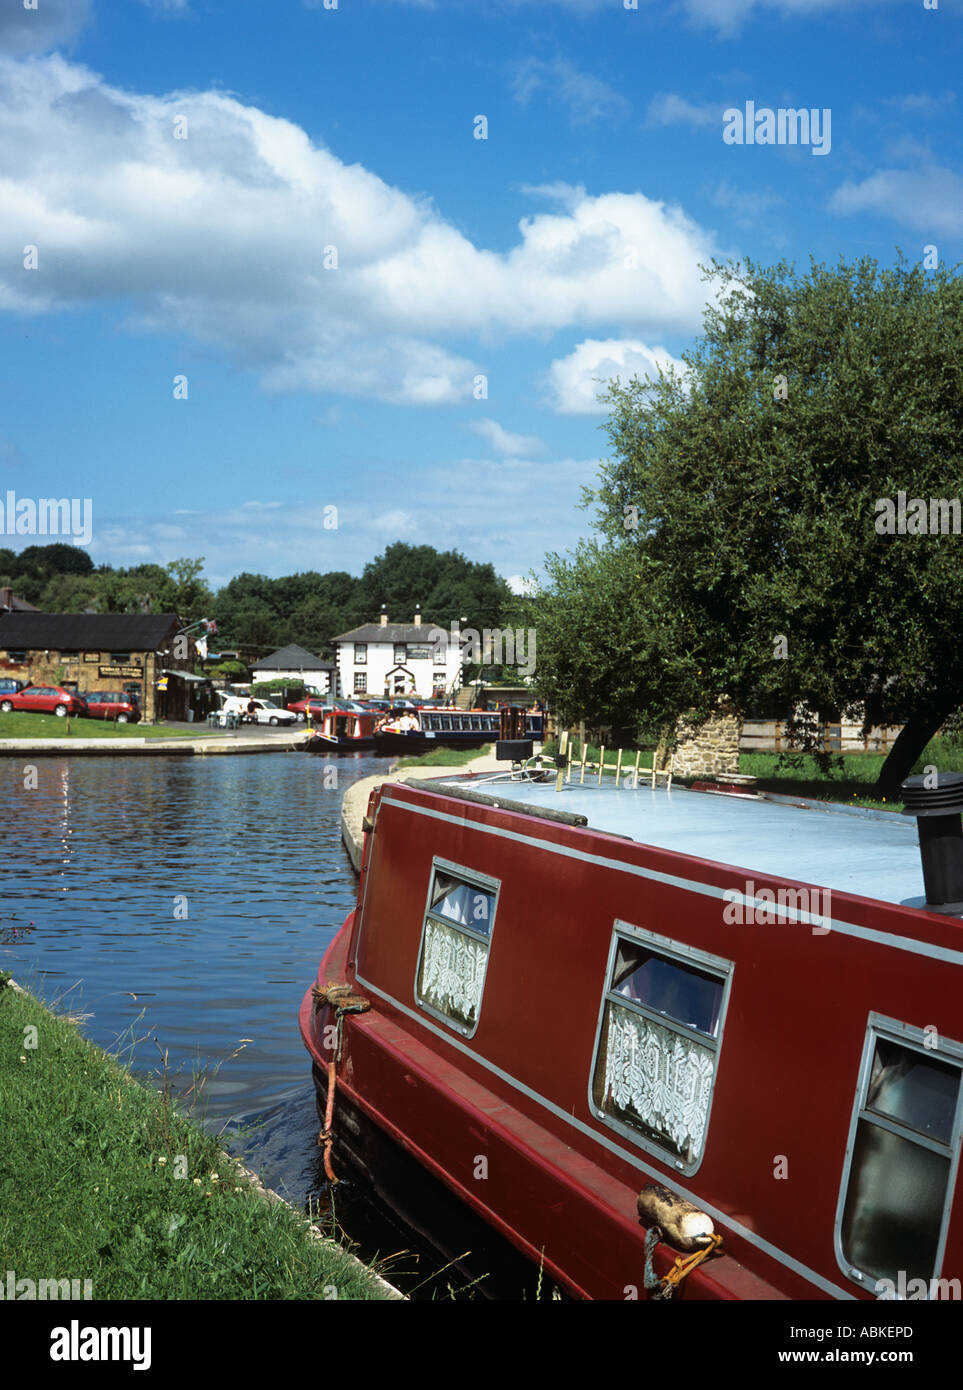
(137,632)
(391,632)
(292,658)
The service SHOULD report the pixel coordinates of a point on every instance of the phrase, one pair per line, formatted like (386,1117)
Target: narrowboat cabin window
(658,1043)
(455,942)
(901,1160)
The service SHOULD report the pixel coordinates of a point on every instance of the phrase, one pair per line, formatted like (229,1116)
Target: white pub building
(396,660)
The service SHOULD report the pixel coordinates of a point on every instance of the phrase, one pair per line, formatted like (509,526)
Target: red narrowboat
(651,1070)
(345,730)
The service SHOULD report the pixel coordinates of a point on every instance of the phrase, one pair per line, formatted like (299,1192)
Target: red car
(45,699)
(112,704)
(318,705)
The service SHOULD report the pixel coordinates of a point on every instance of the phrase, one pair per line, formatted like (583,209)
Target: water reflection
(192,898)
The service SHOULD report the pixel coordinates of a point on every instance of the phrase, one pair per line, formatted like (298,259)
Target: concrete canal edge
(151,747)
(265,1194)
(354,804)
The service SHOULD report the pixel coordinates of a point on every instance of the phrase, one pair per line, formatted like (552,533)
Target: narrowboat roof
(850,850)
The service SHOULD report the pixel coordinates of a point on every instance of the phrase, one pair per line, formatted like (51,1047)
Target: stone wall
(709,750)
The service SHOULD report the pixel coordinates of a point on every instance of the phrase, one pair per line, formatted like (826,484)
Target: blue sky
(563,248)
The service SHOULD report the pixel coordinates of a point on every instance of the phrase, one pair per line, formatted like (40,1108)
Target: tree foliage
(741,499)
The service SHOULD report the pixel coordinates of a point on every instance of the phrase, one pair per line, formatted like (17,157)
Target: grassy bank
(445,757)
(21,724)
(102,1179)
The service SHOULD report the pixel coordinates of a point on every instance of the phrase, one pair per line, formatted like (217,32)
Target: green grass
(444,757)
(849,779)
(89,1185)
(21,724)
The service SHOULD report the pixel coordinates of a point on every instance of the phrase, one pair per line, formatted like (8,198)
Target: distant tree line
(257,613)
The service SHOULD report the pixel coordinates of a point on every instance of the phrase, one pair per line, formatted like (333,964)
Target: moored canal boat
(617,1048)
(429,728)
(343,730)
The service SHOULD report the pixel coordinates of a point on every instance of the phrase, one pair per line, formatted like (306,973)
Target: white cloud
(51,25)
(725,16)
(521,584)
(221,237)
(671,109)
(929,199)
(573,383)
(504,443)
(587,98)
(746,207)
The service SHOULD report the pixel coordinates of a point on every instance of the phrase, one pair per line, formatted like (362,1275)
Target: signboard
(420,653)
(120,672)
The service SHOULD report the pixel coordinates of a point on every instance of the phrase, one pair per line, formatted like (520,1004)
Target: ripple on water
(207,888)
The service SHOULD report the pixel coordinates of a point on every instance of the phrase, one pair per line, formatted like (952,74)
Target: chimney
(384,616)
(938,818)
(417,615)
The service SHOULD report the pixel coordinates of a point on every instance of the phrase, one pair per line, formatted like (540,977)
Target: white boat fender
(683,1225)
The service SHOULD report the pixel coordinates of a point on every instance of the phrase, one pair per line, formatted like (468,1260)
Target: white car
(265,711)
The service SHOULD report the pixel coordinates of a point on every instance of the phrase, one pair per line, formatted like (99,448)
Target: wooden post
(601,761)
(568,770)
(638,754)
(584,751)
(563,749)
(618,767)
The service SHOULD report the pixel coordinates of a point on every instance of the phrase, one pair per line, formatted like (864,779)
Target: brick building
(134,652)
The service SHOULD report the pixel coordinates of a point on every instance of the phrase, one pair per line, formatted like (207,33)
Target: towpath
(355,802)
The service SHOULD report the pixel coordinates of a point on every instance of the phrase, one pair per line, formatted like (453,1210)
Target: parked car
(44,699)
(113,704)
(9,686)
(265,711)
(317,704)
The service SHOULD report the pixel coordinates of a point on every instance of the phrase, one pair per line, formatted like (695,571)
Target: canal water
(182,907)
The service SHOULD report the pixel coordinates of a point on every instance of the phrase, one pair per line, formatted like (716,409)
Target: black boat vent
(936,800)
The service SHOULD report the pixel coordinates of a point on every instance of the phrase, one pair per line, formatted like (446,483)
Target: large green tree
(743,499)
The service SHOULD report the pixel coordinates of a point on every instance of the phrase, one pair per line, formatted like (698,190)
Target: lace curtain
(453,971)
(660,1076)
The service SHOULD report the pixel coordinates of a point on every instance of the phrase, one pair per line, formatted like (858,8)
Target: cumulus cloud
(504,443)
(317,274)
(53,24)
(573,383)
(929,199)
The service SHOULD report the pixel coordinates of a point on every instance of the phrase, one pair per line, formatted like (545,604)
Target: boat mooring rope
(343,1000)
(665,1288)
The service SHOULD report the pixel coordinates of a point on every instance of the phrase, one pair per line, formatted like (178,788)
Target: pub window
(360,682)
(903,1150)
(69,654)
(456,937)
(659,1035)
(120,658)
(361,653)
(18,655)
(401,654)
(440,654)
